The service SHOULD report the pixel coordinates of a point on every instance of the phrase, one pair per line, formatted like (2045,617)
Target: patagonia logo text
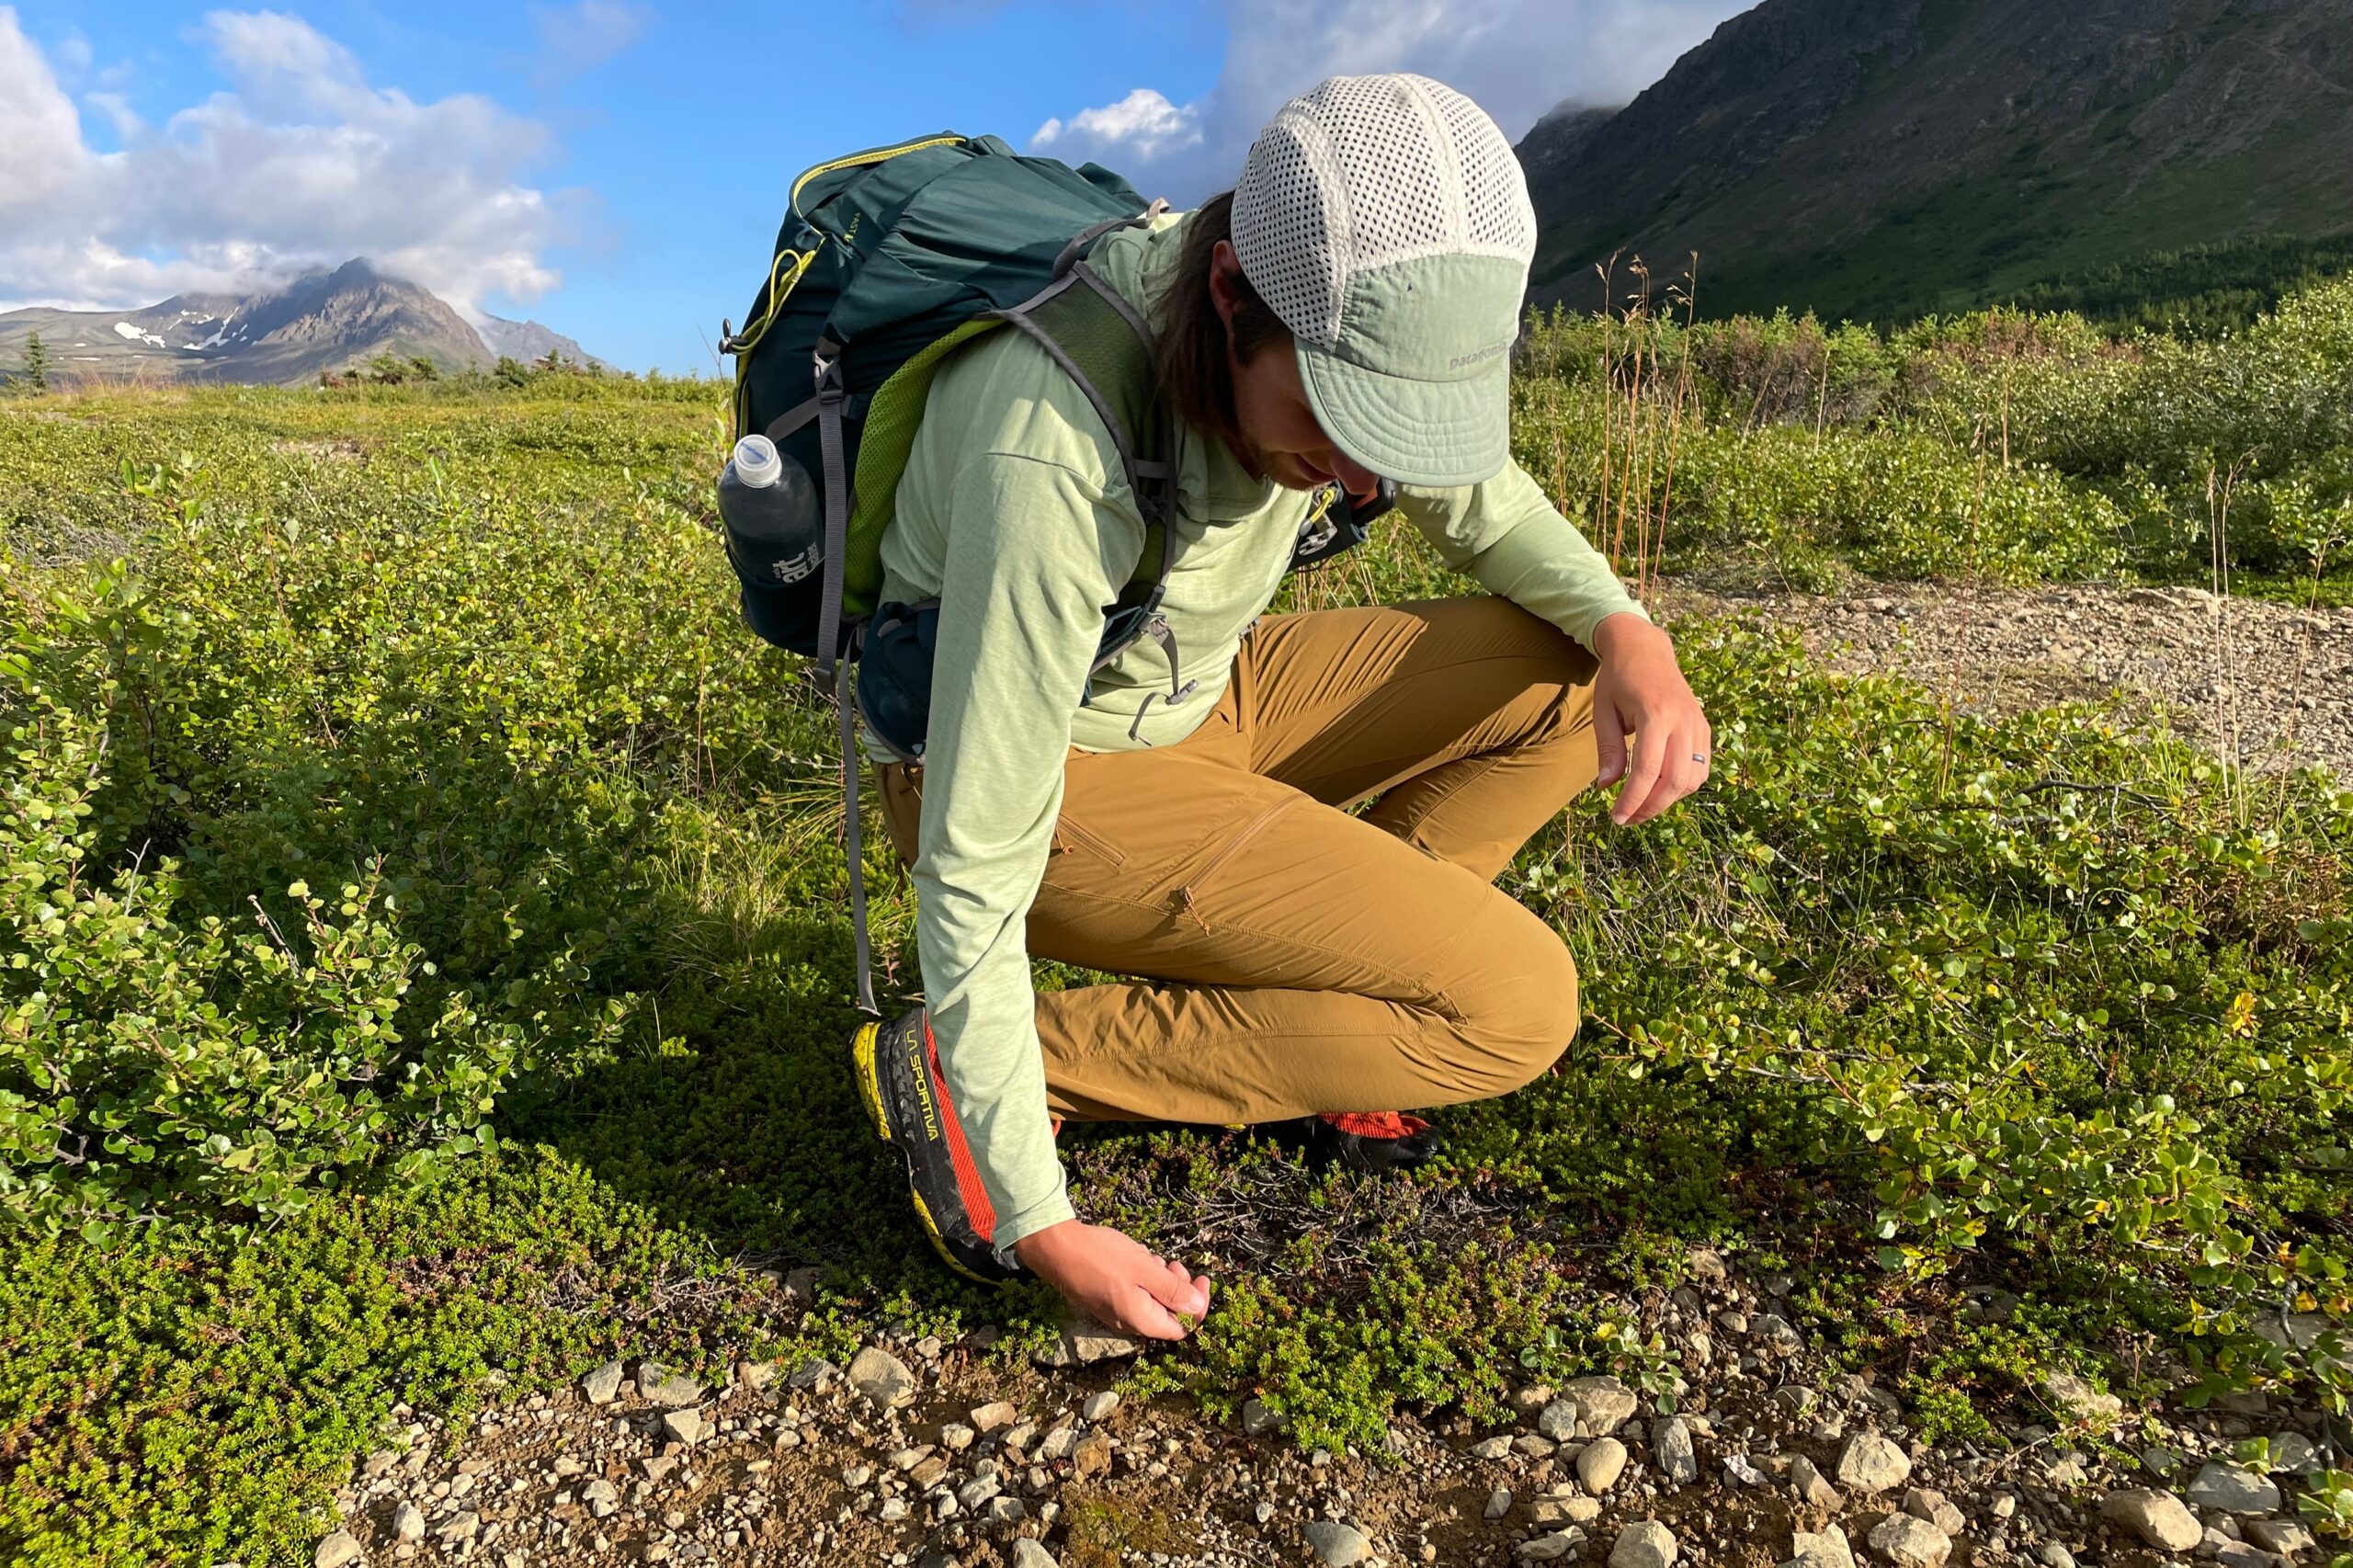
(1488,353)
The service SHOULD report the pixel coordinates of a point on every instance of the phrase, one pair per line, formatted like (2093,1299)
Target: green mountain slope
(1886,158)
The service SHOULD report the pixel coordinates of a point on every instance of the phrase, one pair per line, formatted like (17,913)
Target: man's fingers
(1650,755)
(1175,1288)
(1609,737)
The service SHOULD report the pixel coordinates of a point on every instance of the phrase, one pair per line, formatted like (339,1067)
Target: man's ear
(1225,274)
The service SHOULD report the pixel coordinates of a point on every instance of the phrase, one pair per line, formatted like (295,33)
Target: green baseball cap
(1385,219)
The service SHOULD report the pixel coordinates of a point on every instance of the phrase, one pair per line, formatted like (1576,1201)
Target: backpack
(887,261)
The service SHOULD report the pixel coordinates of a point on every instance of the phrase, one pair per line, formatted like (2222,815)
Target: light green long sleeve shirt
(1014,513)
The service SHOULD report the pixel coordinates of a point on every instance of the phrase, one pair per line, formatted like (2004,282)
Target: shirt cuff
(1037,1216)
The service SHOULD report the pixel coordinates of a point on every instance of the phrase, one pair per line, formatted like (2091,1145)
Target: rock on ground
(1646,1545)
(1085,1342)
(1909,1542)
(2233,1488)
(1870,1463)
(1336,1544)
(882,1379)
(1603,1404)
(1603,1461)
(337,1551)
(660,1385)
(1827,1548)
(1672,1443)
(2080,1400)
(2158,1518)
(599,1386)
(1028,1554)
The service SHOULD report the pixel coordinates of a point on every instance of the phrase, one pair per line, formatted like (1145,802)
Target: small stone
(1549,1548)
(1098,1405)
(2239,1554)
(882,1379)
(1871,1463)
(2235,1489)
(956,1436)
(1085,1342)
(1646,1545)
(1559,1420)
(600,1386)
(815,1373)
(1813,1485)
(686,1425)
(2080,1401)
(2160,1462)
(2158,1518)
(989,1417)
(1532,1397)
(1922,1503)
(1828,1549)
(930,1473)
(2292,1454)
(905,1459)
(408,1522)
(458,1527)
(1672,1443)
(1564,1507)
(893,1510)
(1534,1447)
(2053,1555)
(1028,1554)
(1742,1472)
(1336,1544)
(1797,1399)
(2286,1537)
(1498,1503)
(1091,1456)
(1773,1331)
(1490,1448)
(337,1551)
(1258,1418)
(1603,1461)
(1007,1510)
(978,1490)
(800,1284)
(660,1385)
(2005,1504)
(1018,1436)
(602,1497)
(1605,1404)
(1059,1443)
(658,1466)
(1910,1542)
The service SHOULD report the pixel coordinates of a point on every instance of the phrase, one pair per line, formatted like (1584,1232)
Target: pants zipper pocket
(1234,846)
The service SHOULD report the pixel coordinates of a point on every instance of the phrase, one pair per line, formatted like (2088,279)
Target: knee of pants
(1520,1011)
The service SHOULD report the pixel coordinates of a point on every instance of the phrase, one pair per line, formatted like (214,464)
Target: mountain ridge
(1877,159)
(286,332)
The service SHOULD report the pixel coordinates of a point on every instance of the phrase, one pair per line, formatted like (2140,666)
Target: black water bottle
(776,530)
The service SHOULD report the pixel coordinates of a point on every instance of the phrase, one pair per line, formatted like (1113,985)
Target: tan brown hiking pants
(1293,958)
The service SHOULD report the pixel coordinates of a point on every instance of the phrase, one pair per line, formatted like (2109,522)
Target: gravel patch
(2270,685)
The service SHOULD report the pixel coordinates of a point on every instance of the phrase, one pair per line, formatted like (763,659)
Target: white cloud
(1516,59)
(577,37)
(1143,121)
(302,163)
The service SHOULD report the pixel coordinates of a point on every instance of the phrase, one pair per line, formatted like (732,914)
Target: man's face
(1281,440)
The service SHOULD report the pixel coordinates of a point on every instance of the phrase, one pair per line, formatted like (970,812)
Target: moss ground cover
(426,971)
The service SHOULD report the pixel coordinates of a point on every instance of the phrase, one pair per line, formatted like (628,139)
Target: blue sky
(616,169)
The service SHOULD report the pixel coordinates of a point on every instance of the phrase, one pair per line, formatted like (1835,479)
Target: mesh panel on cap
(1286,248)
(1494,190)
(1395,177)
(1359,172)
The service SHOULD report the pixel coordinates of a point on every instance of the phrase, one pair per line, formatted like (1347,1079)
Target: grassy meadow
(426,968)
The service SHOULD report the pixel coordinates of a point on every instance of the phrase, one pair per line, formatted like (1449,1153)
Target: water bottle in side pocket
(776,532)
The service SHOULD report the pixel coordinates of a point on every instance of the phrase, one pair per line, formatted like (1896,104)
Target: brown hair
(1189,355)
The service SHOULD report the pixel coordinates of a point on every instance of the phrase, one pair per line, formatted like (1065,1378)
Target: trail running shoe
(1370,1140)
(897,1067)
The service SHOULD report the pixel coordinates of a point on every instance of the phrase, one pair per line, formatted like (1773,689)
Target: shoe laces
(1375,1123)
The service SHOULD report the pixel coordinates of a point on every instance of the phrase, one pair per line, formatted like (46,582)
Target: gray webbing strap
(856,849)
(792,419)
(830,397)
(1068,257)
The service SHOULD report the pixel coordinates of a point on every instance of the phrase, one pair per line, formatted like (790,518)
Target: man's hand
(1118,1281)
(1641,690)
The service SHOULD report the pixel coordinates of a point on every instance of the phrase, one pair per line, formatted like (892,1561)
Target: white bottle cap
(756,463)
